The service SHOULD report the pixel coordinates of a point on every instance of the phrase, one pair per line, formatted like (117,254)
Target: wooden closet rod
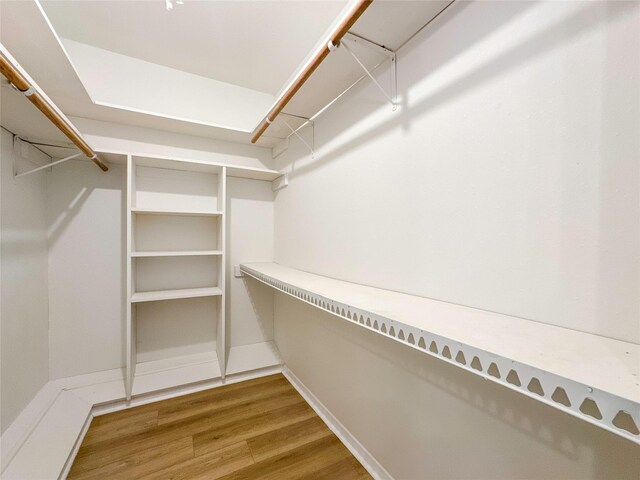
(22,84)
(358,9)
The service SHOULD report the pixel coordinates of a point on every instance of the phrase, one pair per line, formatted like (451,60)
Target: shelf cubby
(175,233)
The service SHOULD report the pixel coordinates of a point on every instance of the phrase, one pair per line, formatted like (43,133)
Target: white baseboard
(74,451)
(46,451)
(367,460)
(17,433)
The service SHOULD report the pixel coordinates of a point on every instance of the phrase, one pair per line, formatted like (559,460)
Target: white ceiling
(231,46)
(255,44)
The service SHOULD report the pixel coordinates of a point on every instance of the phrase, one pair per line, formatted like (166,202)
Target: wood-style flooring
(258,429)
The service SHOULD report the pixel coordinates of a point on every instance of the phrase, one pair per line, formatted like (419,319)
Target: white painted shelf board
(175,371)
(40,457)
(179,253)
(586,366)
(203,166)
(175,294)
(253,173)
(189,213)
(246,358)
(179,165)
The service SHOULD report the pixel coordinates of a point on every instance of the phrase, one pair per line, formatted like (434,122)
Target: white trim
(368,461)
(46,452)
(76,446)
(17,433)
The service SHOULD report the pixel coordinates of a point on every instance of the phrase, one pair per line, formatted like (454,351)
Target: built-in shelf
(175,294)
(207,167)
(181,253)
(247,358)
(190,213)
(591,377)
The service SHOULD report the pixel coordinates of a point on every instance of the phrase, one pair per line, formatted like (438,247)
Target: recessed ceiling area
(256,45)
(133,63)
(195,62)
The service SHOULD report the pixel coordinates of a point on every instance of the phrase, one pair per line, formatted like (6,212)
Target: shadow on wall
(437,424)
(618,275)
(517,54)
(260,296)
(242,192)
(86,214)
(584,211)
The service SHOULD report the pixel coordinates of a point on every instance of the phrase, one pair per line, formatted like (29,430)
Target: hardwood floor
(258,429)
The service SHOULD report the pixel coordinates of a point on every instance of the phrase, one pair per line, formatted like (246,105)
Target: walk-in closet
(320,239)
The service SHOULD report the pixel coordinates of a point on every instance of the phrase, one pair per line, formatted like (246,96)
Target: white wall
(422,418)
(507,181)
(250,205)
(87,249)
(24,324)
(86,268)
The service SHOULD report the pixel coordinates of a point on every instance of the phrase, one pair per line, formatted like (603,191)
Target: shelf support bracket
(394,90)
(48,165)
(295,132)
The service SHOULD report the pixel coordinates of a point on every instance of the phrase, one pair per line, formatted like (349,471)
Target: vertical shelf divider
(221,324)
(131,340)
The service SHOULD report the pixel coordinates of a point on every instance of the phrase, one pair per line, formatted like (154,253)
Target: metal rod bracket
(391,98)
(295,132)
(48,165)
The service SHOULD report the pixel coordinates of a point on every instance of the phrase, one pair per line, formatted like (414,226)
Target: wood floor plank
(139,463)
(121,427)
(175,412)
(261,429)
(180,402)
(346,469)
(298,463)
(211,466)
(102,452)
(287,438)
(248,427)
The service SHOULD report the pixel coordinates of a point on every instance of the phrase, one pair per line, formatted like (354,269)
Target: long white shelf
(189,213)
(179,253)
(591,377)
(175,294)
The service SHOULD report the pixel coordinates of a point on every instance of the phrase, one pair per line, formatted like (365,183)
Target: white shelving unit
(175,274)
(177,217)
(594,378)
